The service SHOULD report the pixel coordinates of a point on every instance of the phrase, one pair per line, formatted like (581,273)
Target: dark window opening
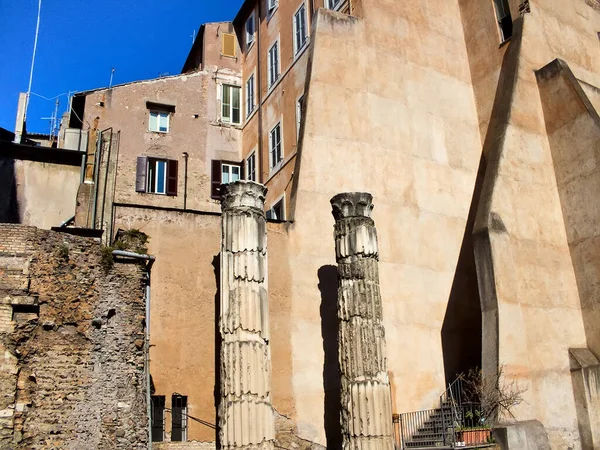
(158,418)
(178,417)
(277,211)
(504,19)
(77,110)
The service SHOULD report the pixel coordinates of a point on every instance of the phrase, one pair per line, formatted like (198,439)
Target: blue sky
(81,41)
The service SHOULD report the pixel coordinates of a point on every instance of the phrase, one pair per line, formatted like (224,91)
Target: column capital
(243,194)
(352,204)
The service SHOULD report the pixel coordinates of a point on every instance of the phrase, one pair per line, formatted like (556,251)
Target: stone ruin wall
(71,345)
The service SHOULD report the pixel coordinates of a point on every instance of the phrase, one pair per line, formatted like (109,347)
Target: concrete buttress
(366,411)
(245,413)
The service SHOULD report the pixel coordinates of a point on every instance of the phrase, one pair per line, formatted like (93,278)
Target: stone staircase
(435,430)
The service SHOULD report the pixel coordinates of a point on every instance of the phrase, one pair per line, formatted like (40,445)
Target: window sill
(249,47)
(218,123)
(301,51)
(158,132)
(504,42)
(229,56)
(274,85)
(252,114)
(275,170)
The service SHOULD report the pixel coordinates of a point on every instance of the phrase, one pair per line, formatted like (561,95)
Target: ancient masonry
(245,412)
(71,345)
(366,411)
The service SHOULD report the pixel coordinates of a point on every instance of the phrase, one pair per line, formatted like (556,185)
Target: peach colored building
(475,126)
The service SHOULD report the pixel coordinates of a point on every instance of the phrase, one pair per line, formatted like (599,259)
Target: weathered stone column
(245,411)
(366,411)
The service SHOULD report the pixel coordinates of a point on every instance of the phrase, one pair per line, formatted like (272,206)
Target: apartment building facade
(460,118)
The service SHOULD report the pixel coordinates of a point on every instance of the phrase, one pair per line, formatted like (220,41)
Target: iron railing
(454,424)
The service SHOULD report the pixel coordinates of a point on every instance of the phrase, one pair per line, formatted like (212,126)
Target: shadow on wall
(216,262)
(9,203)
(328,286)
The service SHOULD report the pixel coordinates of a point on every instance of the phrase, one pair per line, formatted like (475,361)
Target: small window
(228,45)
(251,167)
(159,121)
(271,6)
(178,418)
(300,33)
(274,63)
(156,176)
(223,172)
(230,104)
(250,30)
(230,173)
(158,418)
(299,105)
(250,95)
(333,4)
(504,18)
(277,211)
(275,150)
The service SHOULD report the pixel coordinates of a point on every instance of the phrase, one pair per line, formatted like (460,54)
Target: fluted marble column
(245,412)
(366,411)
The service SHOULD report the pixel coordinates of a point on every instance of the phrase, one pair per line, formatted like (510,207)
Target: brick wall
(71,345)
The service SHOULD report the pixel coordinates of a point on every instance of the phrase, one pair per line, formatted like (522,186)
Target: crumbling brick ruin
(72,338)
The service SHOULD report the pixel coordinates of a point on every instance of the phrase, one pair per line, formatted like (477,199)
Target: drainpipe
(106,182)
(150,260)
(185,177)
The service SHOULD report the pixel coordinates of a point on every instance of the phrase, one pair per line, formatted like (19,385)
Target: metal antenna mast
(37,32)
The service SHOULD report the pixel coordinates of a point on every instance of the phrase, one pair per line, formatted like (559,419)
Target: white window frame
(271,211)
(230,172)
(299,101)
(250,100)
(251,156)
(151,175)
(272,6)
(159,115)
(276,166)
(333,4)
(297,48)
(271,81)
(231,108)
(250,37)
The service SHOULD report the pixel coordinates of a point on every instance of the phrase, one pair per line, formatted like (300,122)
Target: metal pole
(37,31)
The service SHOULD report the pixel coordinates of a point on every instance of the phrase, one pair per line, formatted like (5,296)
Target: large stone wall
(72,340)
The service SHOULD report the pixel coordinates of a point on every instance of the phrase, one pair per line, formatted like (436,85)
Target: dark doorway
(462,328)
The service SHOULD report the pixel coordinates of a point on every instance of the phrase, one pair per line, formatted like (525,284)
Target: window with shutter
(273,63)
(230,104)
(275,146)
(223,172)
(215,180)
(156,176)
(140,174)
(228,48)
(250,26)
(300,32)
(251,167)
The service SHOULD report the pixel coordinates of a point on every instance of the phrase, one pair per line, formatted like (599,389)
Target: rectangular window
(250,30)
(504,19)
(178,418)
(223,172)
(230,173)
(299,105)
(271,6)
(333,4)
(156,176)
(158,418)
(300,33)
(275,150)
(230,104)
(228,45)
(251,167)
(277,211)
(273,63)
(159,121)
(250,95)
